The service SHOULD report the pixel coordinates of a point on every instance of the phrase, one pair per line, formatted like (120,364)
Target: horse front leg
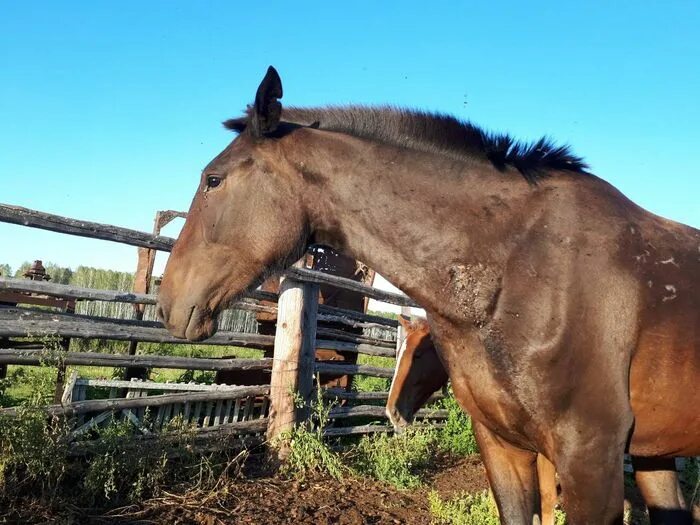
(589,460)
(512,474)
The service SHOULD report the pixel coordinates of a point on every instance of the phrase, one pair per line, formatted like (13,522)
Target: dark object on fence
(37,272)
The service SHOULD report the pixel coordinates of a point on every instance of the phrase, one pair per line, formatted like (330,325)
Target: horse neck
(384,206)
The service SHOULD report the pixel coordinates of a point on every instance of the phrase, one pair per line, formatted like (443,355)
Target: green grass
(363,383)
(457,436)
(395,459)
(309,452)
(463,509)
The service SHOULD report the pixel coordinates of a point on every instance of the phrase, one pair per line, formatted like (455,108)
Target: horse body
(666,364)
(419,373)
(534,293)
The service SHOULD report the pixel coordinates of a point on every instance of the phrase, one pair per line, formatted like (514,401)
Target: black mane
(436,133)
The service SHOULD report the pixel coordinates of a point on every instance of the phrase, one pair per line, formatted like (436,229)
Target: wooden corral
(307,327)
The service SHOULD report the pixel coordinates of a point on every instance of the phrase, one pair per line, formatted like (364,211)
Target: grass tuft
(457,436)
(398,460)
(463,509)
(309,453)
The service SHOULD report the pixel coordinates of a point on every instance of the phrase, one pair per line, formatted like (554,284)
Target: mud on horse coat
(419,373)
(566,316)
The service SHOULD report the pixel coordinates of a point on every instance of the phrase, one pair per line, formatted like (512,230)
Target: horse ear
(405,321)
(267,109)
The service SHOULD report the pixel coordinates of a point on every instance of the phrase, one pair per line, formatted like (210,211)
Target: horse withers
(566,316)
(419,373)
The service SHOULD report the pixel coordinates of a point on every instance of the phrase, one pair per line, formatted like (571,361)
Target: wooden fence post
(293,364)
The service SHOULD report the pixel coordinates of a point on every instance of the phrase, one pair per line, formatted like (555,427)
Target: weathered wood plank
(345,346)
(98,405)
(312,276)
(352,316)
(26,322)
(38,357)
(236,410)
(355,430)
(93,230)
(370,429)
(92,294)
(379,411)
(341,335)
(67,396)
(339,393)
(326,313)
(154,385)
(331,368)
(199,434)
(292,368)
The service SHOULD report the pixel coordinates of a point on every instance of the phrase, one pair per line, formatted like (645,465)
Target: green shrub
(464,509)
(309,453)
(32,450)
(117,472)
(457,436)
(398,460)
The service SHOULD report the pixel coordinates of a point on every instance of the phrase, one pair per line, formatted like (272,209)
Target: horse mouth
(200,325)
(397,420)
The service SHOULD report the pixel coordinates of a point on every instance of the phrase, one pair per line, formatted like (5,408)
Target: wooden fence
(291,369)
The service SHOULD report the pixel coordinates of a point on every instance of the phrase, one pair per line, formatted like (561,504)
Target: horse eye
(213,182)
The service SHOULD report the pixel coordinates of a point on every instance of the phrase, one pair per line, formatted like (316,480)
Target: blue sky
(108,111)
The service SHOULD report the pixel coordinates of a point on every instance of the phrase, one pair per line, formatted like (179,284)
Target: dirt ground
(257,497)
(275,501)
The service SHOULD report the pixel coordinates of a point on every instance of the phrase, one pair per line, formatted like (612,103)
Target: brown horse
(548,292)
(419,373)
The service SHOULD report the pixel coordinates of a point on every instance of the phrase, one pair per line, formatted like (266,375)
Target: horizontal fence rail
(65,291)
(93,230)
(24,322)
(378,411)
(351,370)
(116,404)
(339,393)
(13,356)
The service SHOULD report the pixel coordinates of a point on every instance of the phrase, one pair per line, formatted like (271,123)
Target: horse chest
(486,392)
